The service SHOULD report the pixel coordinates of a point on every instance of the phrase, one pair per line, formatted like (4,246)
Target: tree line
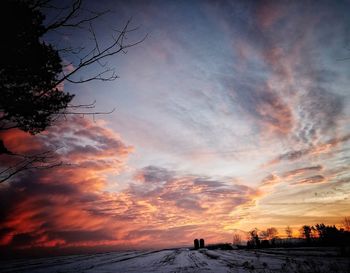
(309,235)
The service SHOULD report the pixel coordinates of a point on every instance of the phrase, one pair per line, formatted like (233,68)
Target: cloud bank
(69,206)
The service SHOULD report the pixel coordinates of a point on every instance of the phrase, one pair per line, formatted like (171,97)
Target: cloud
(46,208)
(273,179)
(20,142)
(153,174)
(300,171)
(270,180)
(265,78)
(69,206)
(318,149)
(279,79)
(268,13)
(263,105)
(320,111)
(311,180)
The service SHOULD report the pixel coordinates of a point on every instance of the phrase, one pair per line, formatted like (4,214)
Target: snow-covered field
(184,260)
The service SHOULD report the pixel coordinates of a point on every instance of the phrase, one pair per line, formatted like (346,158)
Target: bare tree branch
(97,54)
(43,160)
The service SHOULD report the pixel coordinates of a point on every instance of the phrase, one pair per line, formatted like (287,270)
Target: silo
(201,243)
(196,243)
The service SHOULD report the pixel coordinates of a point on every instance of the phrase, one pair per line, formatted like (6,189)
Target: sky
(231,115)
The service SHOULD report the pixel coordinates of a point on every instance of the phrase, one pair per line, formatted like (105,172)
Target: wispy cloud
(318,149)
(270,180)
(311,180)
(300,171)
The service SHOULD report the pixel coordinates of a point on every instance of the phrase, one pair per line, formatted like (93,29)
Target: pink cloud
(69,207)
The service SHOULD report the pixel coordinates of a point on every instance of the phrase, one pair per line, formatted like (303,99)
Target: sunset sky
(231,115)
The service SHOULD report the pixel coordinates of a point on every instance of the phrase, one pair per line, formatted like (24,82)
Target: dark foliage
(224,246)
(255,240)
(306,232)
(330,235)
(29,69)
(316,236)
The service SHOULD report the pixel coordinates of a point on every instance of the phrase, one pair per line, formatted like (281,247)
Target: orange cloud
(20,142)
(69,207)
(44,208)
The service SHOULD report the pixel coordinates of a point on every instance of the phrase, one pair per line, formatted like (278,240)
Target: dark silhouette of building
(196,243)
(201,243)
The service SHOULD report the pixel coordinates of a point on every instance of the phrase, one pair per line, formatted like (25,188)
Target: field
(184,260)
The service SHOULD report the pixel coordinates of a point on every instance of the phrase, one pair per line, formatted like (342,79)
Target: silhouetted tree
(32,70)
(322,230)
(328,234)
(254,238)
(236,239)
(306,232)
(289,232)
(272,233)
(346,223)
(268,236)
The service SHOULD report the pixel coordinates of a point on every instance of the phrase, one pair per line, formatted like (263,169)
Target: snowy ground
(183,260)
